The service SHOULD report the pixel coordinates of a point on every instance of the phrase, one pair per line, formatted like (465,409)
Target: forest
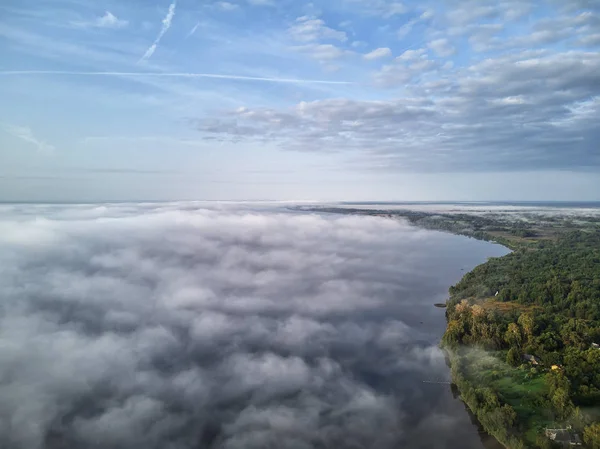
(523,335)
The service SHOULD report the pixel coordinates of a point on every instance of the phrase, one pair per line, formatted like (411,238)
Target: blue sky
(269,99)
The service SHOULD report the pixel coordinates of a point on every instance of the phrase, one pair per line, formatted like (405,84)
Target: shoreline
(492,441)
(487,438)
(523,329)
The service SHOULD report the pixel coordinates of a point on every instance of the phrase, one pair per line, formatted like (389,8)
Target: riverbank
(521,340)
(523,329)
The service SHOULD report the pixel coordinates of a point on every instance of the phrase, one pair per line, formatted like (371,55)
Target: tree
(562,403)
(513,357)
(513,335)
(526,323)
(454,333)
(591,435)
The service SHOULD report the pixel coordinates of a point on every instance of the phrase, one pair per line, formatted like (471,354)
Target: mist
(181,325)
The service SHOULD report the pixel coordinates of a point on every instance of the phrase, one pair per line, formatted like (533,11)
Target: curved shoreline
(488,439)
(492,442)
(520,359)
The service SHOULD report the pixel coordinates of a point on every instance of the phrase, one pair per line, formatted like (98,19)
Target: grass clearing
(523,389)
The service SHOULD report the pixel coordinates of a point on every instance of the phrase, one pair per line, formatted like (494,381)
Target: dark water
(440,418)
(179,326)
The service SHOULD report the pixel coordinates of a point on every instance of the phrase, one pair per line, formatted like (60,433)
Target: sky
(294,100)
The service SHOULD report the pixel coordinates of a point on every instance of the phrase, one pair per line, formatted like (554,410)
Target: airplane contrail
(171,75)
(193,30)
(166,24)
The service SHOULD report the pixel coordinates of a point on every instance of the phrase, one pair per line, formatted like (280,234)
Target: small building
(556,367)
(565,437)
(531,359)
(595,346)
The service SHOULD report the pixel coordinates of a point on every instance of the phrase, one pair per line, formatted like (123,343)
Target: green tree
(513,357)
(562,403)
(513,335)
(526,322)
(591,436)
(454,333)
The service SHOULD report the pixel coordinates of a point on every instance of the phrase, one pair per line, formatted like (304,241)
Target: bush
(513,357)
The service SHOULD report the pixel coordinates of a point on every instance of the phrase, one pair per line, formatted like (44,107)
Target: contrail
(193,30)
(166,24)
(171,75)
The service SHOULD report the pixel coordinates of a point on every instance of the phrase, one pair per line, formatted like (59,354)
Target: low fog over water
(180,326)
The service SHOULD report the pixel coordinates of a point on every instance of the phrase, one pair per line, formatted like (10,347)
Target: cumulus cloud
(450,119)
(411,65)
(322,52)
(311,29)
(226,6)
(108,20)
(378,53)
(314,34)
(442,47)
(175,326)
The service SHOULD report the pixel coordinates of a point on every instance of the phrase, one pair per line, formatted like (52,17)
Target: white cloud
(108,20)
(406,29)
(378,53)
(412,55)
(394,8)
(322,52)
(442,47)
(310,29)
(26,134)
(226,6)
(512,100)
(489,114)
(591,40)
(166,24)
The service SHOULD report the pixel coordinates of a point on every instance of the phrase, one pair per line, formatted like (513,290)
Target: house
(565,437)
(595,346)
(531,359)
(556,367)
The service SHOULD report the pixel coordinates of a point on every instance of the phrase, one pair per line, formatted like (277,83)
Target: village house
(565,437)
(531,359)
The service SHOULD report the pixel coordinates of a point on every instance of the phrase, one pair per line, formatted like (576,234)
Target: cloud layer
(173,326)
(357,98)
(521,111)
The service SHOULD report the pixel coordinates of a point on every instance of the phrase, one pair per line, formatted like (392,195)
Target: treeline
(542,302)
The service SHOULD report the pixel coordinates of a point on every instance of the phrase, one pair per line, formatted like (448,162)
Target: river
(187,325)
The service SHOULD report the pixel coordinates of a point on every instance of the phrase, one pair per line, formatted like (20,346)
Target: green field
(522,388)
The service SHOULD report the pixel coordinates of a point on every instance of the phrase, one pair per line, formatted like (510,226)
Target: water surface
(183,325)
